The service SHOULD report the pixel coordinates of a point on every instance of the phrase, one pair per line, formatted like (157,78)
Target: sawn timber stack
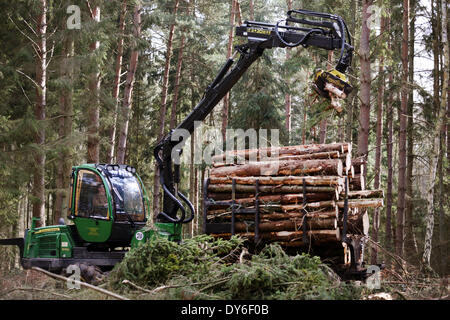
(308,197)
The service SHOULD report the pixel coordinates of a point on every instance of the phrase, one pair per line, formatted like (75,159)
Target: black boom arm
(329,34)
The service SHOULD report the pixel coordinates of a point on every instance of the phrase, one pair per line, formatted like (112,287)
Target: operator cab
(108,204)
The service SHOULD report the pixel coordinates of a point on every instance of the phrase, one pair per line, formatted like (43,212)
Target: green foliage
(156,261)
(207,268)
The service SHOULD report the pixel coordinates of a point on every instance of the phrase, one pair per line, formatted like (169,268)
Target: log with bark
(317,236)
(357,182)
(281,168)
(285,180)
(276,152)
(273,180)
(236,159)
(274,216)
(218,188)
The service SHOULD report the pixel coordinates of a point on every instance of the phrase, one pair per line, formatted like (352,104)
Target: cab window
(127,196)
(91,199)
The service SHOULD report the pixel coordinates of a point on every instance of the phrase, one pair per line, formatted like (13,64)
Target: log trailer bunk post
(98,237)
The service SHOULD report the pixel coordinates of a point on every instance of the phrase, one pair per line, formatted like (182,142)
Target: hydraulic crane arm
(329,34)
(163,151)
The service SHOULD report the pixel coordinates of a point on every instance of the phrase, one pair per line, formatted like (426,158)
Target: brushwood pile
(207,268)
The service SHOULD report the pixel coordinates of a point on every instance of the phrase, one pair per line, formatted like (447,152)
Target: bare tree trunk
(226,99)
(93,143)
(64,130)
(163,110)
(442,245)
(364,116)
(287,98)
(116,86)
(252,10)
(434,156)
(351,101)
(410,248)
(389,151)
(399,246)
(379,137)
(39,113)
(305,107)
(177,84)
(178,76)
(128,92)
(444,232)
(193,169)
(389,145)
(324,122)
(238,13)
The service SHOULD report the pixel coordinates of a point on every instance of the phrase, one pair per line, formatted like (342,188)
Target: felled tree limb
(84,284)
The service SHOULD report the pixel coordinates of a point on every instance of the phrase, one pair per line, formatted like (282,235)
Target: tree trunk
(379,137)
(39,113)
(389,154)
(238,13)
(116,86)
(93,146)
(364,116)
(177,82)
(434,156)
(352,99)
(163,110)
(63,168)
(410,249)
(226,99)
(403,112)
(287,97)
(128,92)
(324,122)
(444,234)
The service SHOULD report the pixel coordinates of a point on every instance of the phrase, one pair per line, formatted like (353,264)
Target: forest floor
(206,269)
(19,284)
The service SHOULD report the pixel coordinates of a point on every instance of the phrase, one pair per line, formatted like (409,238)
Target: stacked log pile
(295,189)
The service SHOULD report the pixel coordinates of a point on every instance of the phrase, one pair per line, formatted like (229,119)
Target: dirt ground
(32,285)
(19,284)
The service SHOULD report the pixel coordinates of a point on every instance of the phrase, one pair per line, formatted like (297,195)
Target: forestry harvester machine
(109,206)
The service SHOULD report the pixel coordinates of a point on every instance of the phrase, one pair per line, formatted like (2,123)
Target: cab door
(91,206)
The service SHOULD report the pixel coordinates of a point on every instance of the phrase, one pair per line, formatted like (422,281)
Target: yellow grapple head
(334,77)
